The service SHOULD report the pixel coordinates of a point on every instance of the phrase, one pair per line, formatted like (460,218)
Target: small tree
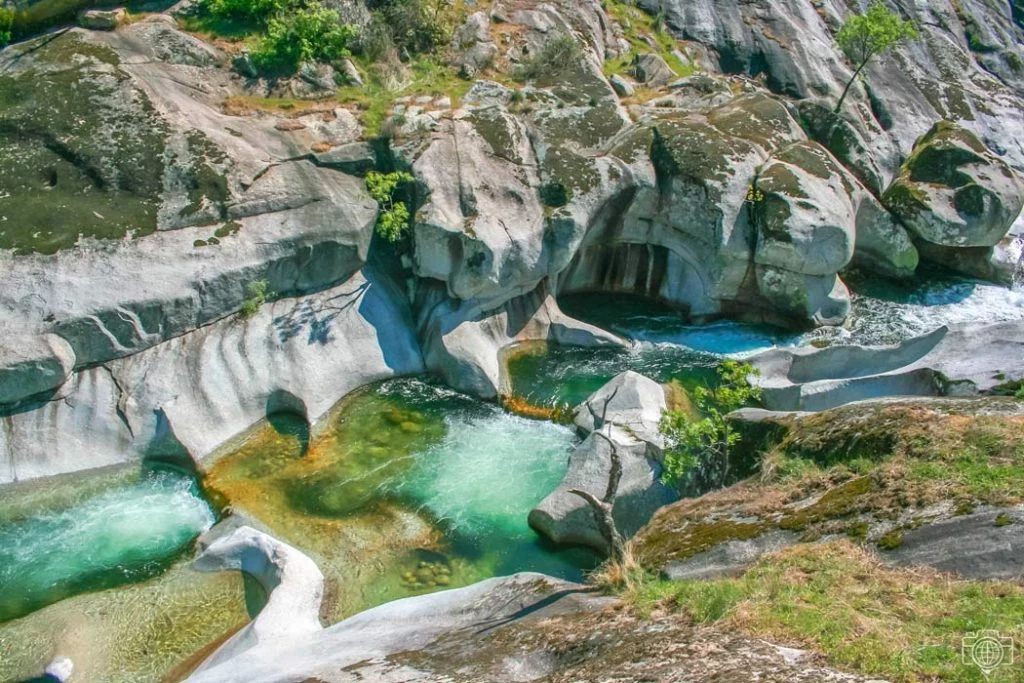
(865,35)
(303,35)
(393,220)
(705,443)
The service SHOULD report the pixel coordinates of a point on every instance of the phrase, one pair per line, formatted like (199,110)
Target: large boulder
(622,418)
(804,211)
(629,400)
(804,208)
(883,245)
(509,199)
(472,42)
(102,19)
(954,192)
(1002,263)
(480,230)
(652,70)
(933,364)
(694,225)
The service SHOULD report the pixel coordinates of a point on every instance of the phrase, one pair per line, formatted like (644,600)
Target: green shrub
(560,53)
(375,41)
(6,22)
(418,26)
(554,194)
(704,444)
(257,292)
(307,35)
(864,36)
(256,11)
(393,219)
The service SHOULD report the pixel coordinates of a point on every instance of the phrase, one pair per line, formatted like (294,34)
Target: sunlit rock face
(181,399)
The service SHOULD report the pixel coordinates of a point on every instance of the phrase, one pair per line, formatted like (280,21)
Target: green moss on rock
(567,175)
(837,502)
(81,149)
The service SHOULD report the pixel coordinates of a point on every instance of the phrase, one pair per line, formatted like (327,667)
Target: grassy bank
(837,599)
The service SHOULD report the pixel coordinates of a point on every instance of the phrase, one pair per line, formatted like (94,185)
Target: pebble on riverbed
(427,575)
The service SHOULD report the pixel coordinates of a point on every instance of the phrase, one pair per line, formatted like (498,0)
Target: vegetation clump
(838,599)
(558,54)
(393,219)
(307,35)
(410,26)
(703,445)
(257,296)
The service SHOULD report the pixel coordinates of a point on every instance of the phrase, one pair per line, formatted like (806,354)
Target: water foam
(124,534)
(488,471)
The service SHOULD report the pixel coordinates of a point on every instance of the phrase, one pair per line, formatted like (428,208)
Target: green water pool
(408,488)
(124,534)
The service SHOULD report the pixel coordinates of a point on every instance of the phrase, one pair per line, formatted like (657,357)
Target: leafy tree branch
(393,219)
(864,36)
(705,444)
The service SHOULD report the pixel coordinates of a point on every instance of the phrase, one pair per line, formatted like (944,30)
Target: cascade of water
(487,472)
(122,535)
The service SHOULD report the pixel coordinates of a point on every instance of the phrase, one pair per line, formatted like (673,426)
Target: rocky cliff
(145,184)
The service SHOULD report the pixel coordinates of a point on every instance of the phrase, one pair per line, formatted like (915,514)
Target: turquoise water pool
(124,534)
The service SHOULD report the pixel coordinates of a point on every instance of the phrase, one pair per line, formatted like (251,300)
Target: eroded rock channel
(258,423)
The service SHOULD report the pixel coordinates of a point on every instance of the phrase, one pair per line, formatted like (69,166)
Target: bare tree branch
(605,524)
(602,508)
(599,420)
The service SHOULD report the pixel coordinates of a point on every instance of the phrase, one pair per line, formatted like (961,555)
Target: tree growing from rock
(705,444)
(864,36)
(393,219)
